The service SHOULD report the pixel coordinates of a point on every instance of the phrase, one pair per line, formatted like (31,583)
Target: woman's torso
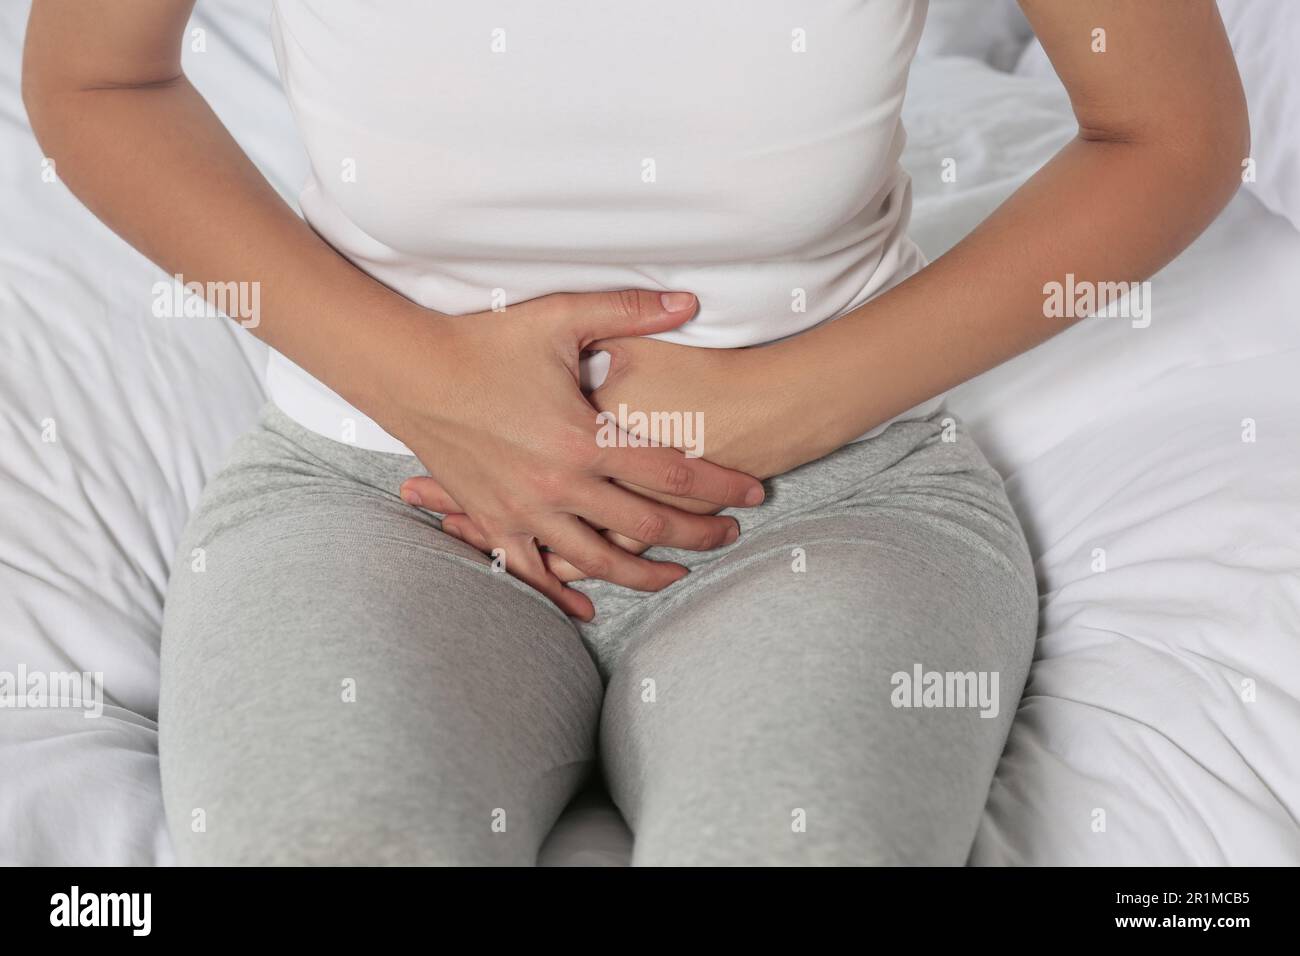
(475,155)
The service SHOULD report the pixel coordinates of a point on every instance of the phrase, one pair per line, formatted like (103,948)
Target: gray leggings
(345,684)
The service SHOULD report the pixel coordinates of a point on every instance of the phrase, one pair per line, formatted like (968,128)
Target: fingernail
(732,535)
(754,496)
(676,301)
(411,498)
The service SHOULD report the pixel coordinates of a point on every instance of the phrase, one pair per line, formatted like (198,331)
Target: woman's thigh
(342,683)
(767,714)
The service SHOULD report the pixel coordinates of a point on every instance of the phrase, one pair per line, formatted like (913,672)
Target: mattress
(1156,471)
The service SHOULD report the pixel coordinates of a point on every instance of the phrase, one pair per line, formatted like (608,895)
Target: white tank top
(474,155)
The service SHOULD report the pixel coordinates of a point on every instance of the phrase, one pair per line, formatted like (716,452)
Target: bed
(1156,469)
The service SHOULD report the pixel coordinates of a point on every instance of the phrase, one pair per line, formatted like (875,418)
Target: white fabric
(993,31)
(521,149)
(1265,37)
(1111,437)
(1131,441)
(143,410)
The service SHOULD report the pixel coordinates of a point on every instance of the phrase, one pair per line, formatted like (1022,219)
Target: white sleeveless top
(473,155)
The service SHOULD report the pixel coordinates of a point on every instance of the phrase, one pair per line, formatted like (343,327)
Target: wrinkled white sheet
(1114,438)
(1129,440)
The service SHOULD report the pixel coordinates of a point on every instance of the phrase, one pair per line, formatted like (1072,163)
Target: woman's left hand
(729,406)
(717,404)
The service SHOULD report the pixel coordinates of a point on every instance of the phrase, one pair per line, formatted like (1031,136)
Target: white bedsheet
(1129,440)
(1123,439)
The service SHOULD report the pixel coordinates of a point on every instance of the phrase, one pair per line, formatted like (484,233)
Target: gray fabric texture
(345,684)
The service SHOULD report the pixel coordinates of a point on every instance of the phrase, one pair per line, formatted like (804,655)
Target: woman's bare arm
(138,145)
(1163,132)
(512,435)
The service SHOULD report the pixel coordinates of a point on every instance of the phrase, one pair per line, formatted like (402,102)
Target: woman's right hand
(491,404)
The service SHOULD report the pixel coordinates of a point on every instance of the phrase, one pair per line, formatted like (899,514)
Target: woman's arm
(138,145)
(1163,132)
(1162,135)
(489,403)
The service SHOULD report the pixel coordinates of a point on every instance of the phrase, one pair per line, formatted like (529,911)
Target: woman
(435,585)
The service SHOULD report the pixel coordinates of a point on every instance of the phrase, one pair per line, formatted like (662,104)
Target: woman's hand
(507,436)
(733,410)
(734,400)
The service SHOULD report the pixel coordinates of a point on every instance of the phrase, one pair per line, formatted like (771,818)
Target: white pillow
(994,31)
(1265,36)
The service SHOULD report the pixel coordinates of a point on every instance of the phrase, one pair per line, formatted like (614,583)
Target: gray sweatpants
(344,683)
